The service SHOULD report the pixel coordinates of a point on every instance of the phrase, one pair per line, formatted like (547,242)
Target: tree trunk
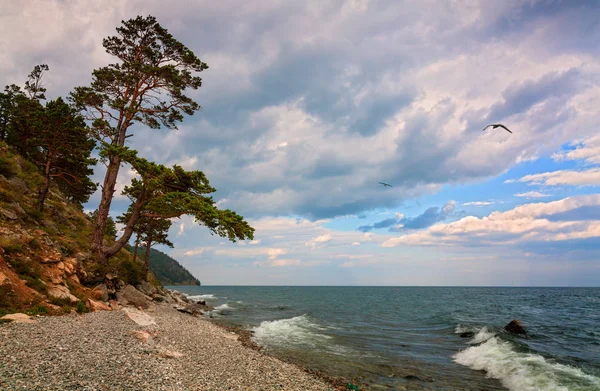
(43,192)
(108,252)
(147,258)
(108,189)
(137,244)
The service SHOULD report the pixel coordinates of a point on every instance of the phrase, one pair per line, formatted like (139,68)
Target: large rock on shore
(100,292)
(62,293)
(146,288)
(18,318)
(130,295)
(95,306)
(515,327)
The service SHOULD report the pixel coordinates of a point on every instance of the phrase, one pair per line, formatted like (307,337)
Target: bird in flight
(385,184)
(494,126)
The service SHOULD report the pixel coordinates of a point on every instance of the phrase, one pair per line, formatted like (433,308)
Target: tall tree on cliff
(62,138)
(146,86)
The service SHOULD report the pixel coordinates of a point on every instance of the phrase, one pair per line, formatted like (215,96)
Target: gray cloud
(306,108)
(426,219)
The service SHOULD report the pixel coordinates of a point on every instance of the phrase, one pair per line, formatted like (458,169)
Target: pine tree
(145,86)
(62,138)
(165,193)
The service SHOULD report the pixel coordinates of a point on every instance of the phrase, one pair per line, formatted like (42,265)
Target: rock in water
(467,334)
(515,327)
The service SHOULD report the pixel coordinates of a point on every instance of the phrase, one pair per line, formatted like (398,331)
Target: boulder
(18,318)
(146,288)
(70,265)
(95,306)
(139,317)
(130,295)
(100,292)
(467,334)
(515,327)
(62,293)
(192,308)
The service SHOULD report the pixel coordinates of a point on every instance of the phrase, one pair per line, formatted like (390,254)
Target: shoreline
(106,350)
(245,338)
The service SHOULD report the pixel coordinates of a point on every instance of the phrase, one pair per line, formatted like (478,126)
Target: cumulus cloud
(525,223)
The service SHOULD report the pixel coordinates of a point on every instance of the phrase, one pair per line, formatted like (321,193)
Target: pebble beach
(156,349)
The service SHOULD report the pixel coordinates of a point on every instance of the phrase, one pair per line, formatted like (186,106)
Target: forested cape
(166,269)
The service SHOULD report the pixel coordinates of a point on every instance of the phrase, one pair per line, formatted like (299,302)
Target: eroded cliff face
(45,261)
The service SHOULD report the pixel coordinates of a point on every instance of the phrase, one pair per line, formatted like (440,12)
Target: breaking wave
(519,371)
(299,330)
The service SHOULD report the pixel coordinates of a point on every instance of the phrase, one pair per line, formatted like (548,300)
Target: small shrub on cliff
(81,308)
(36,284)
(7,300)
(11,245)
(8,167)
(5,196)
(59,302)
(25,267)
(37,310)
(130,271)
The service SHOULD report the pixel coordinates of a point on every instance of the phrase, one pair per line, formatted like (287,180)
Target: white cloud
(191,253)
(589,177)
(319,241)
(587,150)
(532,194)
(524,223)
(478,203)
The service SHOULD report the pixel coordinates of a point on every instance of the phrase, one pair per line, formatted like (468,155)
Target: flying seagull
(385,184)
(494,126)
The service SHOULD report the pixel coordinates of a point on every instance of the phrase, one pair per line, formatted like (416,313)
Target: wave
(299,330)
(482,335)
(207,296)
(520,371)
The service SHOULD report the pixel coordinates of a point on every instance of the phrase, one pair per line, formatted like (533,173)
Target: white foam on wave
(299,330)
(524,371)
(208,296)
(465,329)
(482,335)
(223,307)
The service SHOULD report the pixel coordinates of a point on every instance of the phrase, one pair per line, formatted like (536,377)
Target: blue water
(408,338)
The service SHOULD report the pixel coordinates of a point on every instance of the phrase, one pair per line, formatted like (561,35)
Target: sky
(307,105)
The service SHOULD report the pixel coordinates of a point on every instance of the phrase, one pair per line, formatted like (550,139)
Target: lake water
(408,338)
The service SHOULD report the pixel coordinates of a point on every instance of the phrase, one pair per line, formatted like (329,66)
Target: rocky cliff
(45,262)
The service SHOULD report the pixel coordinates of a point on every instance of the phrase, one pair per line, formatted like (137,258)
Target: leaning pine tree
(145,86)
(163,193)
